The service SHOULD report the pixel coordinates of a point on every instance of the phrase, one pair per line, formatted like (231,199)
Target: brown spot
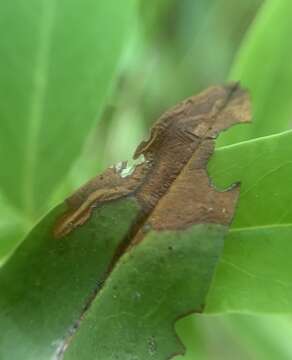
(172,185)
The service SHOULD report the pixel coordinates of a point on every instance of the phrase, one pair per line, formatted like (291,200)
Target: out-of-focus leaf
(10,237)
(57,63)
(12,229)
(264,67)
(207,28)
(254,274)
(191,335)
(266,337)
(123,134)
(179,59)
(236,336)
(152,15)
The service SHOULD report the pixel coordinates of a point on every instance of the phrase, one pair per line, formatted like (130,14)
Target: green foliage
(12,228)
(151,286)
(254,274)
(236,337)
(48,283)
(264,67)
(58,63)
(57,67)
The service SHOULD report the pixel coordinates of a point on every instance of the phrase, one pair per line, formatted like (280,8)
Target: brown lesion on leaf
(172,184)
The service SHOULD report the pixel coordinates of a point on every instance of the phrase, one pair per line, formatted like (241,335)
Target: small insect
(158,160)
(145,145)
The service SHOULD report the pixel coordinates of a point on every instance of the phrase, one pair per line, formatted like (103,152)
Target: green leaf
(46,284)
(58,60)
(10,237)
(107,274)
(254,274)
(152,14)
(236,336)
(139,311)
(13,227)
(49,283)
(264,67)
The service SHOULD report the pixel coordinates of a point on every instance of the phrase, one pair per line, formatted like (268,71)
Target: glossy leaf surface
(254,274)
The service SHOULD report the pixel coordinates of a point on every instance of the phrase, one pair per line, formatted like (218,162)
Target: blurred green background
(173,49)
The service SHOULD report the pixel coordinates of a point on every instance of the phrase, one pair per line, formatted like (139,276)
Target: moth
(172,160)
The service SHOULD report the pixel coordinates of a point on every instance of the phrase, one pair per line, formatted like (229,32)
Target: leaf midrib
(260,227)
(256,140)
